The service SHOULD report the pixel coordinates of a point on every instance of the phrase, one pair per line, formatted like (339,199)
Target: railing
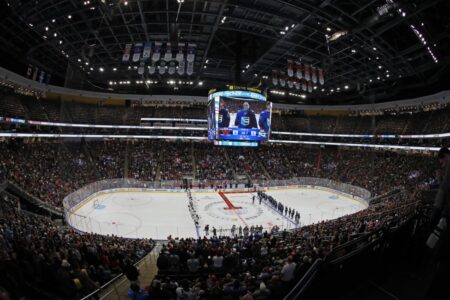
(305,281)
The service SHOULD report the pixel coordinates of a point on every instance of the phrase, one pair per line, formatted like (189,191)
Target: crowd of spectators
(37,256)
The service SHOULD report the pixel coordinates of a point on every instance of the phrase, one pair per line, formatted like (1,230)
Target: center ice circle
(145,213)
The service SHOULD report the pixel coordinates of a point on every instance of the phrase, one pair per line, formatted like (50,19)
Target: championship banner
(190,56)
(168,54)
(297,84)
(304,87)
(298,70)
(314,75)
(162,67)
(307,75)
(290,83)
(171,70)
(275,77)
(126,53)
(180,54)
(310,87)
(152,69)
(156,52)
(147,51)
(282,79)
(321,79)
(290,68)
(141,68)
(190,68)
(181,67)
(137,52)
(29,70)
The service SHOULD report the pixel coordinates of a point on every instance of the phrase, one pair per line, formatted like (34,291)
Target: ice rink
(158,214)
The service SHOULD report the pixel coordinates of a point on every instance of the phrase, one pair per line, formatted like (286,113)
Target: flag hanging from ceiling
(180,54)
(290,68)
(297,84)
(147,51)
(137,52)
(152,69)
(321,78)
(126,52)
(298,73)
(141,68)
(162,67)
(190,57)
(307,75)
(313,75)
(282,79)
(171,69)
(181,67)
(157,52)
(29,70)
(168,54)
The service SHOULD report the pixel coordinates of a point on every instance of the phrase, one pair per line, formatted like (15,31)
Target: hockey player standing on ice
(246,117)
(224,116)
(264,118)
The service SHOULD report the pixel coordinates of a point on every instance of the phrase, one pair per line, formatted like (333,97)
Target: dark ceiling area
(370,51)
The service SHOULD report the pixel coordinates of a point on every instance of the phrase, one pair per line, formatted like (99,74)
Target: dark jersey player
(224,116)
(246,117)
(264,119)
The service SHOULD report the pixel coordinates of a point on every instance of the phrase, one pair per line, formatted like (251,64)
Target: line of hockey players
(240,231)
(192,208)
(277,205)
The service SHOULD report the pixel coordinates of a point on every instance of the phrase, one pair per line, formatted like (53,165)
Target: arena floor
(158,214)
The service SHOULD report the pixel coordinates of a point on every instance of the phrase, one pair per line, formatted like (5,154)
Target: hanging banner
(298,73)
(307,76)
(304,87)
(147,51)
(297,84)
(141,68)
(313,75)
(137,52)
(181,67)
(152,69)
(156,52)
(168,54)
(275,77)
(190,68)
(321,78)
(290,68)
(171,70)
(162,67)
(282,79)
(190,56)
(310,87)
(126,53)
(290,83)
(180,54)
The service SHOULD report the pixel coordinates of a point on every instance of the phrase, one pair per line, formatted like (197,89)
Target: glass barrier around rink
(84,195)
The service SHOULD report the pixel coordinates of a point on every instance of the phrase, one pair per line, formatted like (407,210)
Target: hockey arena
(224,149)
(159,214)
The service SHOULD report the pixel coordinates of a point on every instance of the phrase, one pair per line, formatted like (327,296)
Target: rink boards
(158,213)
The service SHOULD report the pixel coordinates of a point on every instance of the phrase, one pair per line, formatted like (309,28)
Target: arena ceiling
(370,50)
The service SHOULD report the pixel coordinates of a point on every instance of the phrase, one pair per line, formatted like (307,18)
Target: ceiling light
(46,28)
(60,42)
(374,48)
(114,69)
(101,69)
(69,16)
(200,83)
(353,50)
(328,29)
(55,34)
(346,87)
(53,20)
(125,3)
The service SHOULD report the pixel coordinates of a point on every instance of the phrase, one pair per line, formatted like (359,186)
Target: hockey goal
(96,203)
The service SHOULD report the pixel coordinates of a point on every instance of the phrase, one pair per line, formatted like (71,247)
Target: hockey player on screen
(264,118)
(224,116)
(246,117)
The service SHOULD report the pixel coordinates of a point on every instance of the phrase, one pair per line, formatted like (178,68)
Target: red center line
(231,207)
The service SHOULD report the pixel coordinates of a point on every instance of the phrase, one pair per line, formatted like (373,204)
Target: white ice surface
(156,214)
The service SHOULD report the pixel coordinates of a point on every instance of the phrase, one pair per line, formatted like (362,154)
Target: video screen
(239,118)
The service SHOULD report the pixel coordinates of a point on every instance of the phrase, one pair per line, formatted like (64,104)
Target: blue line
(197,231)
